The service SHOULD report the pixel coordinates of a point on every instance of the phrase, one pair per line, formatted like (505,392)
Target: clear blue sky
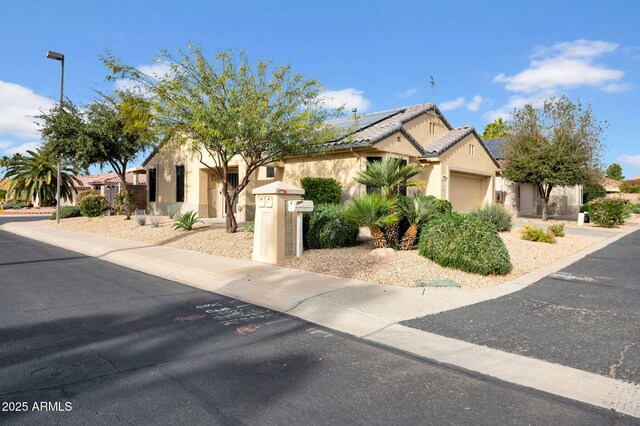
(486,57)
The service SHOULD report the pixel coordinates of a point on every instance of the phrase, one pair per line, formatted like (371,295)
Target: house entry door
(233,179)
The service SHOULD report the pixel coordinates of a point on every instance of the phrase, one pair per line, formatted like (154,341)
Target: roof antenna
(355,112)
(433,88)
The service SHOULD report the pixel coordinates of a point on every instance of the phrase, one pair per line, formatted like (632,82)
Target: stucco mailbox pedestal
(275,235)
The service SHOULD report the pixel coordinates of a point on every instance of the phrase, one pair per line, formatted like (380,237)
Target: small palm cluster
(382,210)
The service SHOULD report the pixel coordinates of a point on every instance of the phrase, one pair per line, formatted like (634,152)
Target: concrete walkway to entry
(356,307)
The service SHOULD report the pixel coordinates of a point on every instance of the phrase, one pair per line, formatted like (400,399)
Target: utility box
(275,234)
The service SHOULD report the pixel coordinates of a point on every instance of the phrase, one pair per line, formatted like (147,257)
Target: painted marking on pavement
(566,276)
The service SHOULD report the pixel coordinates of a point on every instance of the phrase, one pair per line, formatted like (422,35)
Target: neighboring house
(612,186)
(456,164)
(109,185)
(524,199)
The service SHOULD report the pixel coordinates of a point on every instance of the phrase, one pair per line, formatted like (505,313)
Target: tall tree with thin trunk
(557,144)
(232,108)
(114,129)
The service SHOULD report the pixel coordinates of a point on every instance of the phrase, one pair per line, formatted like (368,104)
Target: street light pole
(58,57)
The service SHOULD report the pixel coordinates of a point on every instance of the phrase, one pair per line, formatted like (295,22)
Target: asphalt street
(85,341)
(586,316)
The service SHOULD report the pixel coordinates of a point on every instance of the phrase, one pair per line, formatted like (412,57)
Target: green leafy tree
(230,107)
(114,129)
(614,172)
(557,144)
(496,129)
(35,175)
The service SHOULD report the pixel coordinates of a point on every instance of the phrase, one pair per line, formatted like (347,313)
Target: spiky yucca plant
(418,209)
(374,212)
(186,221)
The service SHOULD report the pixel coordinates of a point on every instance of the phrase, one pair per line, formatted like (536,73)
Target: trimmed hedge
(495,214)
(464,242)
(67,212)
(327,228)
(321,190)
(609,212)
(93,206)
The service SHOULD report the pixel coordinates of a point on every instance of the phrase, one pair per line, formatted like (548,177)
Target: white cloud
(5,144)
(519,101)
(452,104)
(347,98)
(563,66)
(156,70)
(631,160)
(616,88)
(18,106)
(408,93)
(475,103)
(23,148)
(577,49)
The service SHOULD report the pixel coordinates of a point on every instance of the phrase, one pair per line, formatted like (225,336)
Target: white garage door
(467,191)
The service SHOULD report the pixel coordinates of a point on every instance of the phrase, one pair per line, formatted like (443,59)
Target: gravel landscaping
(404,269)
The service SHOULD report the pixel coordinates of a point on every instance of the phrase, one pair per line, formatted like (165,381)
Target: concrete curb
(358,308)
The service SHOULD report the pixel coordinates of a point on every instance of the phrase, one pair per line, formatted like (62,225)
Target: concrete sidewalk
(356,307)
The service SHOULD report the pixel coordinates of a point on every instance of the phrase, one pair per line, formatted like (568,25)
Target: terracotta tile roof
(89,181)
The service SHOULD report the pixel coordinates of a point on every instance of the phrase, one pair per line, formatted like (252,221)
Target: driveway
(585,317)
(121,346)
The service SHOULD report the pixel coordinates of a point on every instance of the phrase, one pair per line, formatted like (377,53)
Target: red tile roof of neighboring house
(611,185)
(108,178)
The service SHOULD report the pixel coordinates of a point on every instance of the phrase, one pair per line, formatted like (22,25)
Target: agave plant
(186,220)
(418,209)
(374,212)
(390,176)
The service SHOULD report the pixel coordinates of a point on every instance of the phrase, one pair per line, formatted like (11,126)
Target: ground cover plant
(464,242)
(533,233)
(557,229)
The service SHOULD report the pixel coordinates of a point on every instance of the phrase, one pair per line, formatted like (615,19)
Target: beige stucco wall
(420,130)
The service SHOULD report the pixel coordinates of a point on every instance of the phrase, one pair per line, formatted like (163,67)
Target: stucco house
(456,165)
(109,185)
(524,199)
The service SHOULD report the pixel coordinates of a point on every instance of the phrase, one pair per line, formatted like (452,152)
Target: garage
(467,191)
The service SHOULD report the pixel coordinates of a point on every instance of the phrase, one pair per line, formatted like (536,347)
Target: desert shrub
(533,233)
(464,242)
(327,228)
(608,212)
(141,219)
(630,186)
(496,214)
(119,205)
(186,220)
(635,208)
(591,191)
(81,196)
(557,229)
(442,206)
(321,190)
(93,206)
(67,212)
(17,205)
(172,210)
(250,228)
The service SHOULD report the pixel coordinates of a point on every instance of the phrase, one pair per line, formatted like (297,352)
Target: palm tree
(34,175)
(374,212)
(390,177)
(418,209)
(496,129)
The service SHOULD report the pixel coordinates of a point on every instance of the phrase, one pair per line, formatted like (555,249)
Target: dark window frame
(152,185)
(372,189)
(180,178)
(271,172)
